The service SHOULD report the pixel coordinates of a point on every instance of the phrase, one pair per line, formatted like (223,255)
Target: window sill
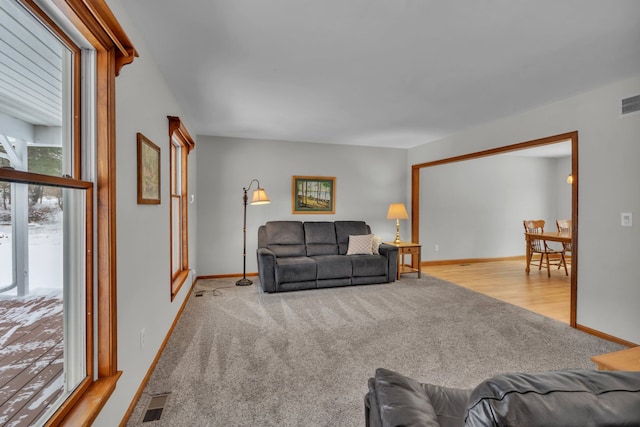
(177,283)
(86,410)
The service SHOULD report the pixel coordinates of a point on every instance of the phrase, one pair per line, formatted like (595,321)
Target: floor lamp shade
(397,211)
(259,197)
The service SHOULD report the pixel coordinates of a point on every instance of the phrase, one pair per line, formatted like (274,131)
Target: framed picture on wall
(148,172)
(313,195)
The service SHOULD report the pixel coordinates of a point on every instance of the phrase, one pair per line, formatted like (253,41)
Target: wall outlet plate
(626,219)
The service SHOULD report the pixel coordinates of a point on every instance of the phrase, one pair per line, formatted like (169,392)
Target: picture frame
(313,195)
(148,171)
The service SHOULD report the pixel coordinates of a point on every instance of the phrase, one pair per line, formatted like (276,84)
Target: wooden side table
(623,360)
(407,248)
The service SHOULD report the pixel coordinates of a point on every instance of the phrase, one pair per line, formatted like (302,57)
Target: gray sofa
(294,255)
(546,399)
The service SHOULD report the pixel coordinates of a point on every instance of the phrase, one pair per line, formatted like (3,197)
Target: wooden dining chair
(564,225)
(539,246)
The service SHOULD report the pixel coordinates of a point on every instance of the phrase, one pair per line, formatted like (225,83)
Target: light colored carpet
(239,357)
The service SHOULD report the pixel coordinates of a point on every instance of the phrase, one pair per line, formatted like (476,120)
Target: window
(180,146)
(44,215)
(51,154)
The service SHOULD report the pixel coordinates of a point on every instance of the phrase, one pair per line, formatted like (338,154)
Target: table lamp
(397,211)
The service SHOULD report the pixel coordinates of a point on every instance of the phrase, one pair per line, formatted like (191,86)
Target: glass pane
(38,339)
(7,270)
(176,235)
(45,239)
(173,169)
(35,95)
(176,168)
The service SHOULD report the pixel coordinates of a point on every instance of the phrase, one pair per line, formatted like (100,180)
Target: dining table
(552,236)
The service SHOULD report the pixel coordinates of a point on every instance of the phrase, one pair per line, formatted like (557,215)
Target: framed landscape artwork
(148,172)
(313,195)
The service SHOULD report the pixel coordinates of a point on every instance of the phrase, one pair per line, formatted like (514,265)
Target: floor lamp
(259,198)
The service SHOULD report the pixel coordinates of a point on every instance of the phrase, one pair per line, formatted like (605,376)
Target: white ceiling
(31,64)
(388,73)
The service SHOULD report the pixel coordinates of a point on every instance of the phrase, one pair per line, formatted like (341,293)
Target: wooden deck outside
(31,358)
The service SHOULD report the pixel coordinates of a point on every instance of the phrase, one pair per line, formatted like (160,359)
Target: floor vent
(155,407)
(631,105)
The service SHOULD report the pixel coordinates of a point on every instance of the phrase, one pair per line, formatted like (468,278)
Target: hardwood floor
(507,281)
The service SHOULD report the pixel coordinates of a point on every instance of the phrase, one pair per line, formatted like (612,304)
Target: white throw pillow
(375,244)
(360,245)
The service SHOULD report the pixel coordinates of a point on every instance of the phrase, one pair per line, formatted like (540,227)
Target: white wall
(563,191)
(367,181)
(608,152)
(143,103)
(475,208)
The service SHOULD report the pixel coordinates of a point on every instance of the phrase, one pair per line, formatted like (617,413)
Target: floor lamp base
(244,282)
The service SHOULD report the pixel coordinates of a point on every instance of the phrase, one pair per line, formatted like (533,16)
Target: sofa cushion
(333,266)
(557,398)
(320,238)
(401,400)
(295,269)
(360,245)
(368,265)
(344,229)
(285,238)
(449,404)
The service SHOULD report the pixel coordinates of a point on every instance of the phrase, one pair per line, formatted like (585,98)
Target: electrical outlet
(626,219)
(436,247)
(142,339)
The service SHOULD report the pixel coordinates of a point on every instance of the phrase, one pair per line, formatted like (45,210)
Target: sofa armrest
(371,406)
(267,269)
(391,253)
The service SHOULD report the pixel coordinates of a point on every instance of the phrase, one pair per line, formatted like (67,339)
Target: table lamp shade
(397,211)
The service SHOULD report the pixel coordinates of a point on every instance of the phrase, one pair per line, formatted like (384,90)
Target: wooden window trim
(95,21)
(179,133)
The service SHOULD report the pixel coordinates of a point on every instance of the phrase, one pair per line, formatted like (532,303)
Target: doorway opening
(572,137)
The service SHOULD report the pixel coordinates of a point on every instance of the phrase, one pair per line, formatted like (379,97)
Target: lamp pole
(244,281)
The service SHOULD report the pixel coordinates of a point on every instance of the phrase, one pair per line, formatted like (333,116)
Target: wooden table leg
(528,255)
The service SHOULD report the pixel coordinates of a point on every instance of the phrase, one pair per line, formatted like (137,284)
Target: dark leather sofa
(579,398)
(294,255)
